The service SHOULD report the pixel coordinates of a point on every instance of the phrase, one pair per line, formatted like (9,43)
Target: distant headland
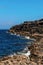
(33,29)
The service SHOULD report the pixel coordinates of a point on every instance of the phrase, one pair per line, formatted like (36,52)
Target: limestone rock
(37,53)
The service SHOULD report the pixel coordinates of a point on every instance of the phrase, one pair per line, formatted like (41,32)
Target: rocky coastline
(35,57)
(32,29)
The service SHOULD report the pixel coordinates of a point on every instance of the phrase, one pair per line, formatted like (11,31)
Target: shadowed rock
(34,29)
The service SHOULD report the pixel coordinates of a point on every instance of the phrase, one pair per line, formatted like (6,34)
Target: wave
(11,55)
(27,37)
(18,35)
(15,34)
(26,54)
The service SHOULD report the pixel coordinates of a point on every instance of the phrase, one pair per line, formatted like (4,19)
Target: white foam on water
(18,35)
(11,55)
(14,33)
(27,54)
(11,33)
(27,37)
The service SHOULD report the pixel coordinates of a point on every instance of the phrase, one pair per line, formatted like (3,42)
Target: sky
(13,12)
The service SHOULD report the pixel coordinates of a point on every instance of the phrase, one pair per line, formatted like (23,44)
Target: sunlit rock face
(37,53)
(15,60)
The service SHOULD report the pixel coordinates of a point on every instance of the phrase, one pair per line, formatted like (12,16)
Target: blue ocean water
(10,44)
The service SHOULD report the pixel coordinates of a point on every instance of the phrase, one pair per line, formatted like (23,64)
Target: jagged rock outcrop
(29,28)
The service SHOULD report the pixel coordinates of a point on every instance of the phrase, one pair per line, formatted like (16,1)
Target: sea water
(10,44)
